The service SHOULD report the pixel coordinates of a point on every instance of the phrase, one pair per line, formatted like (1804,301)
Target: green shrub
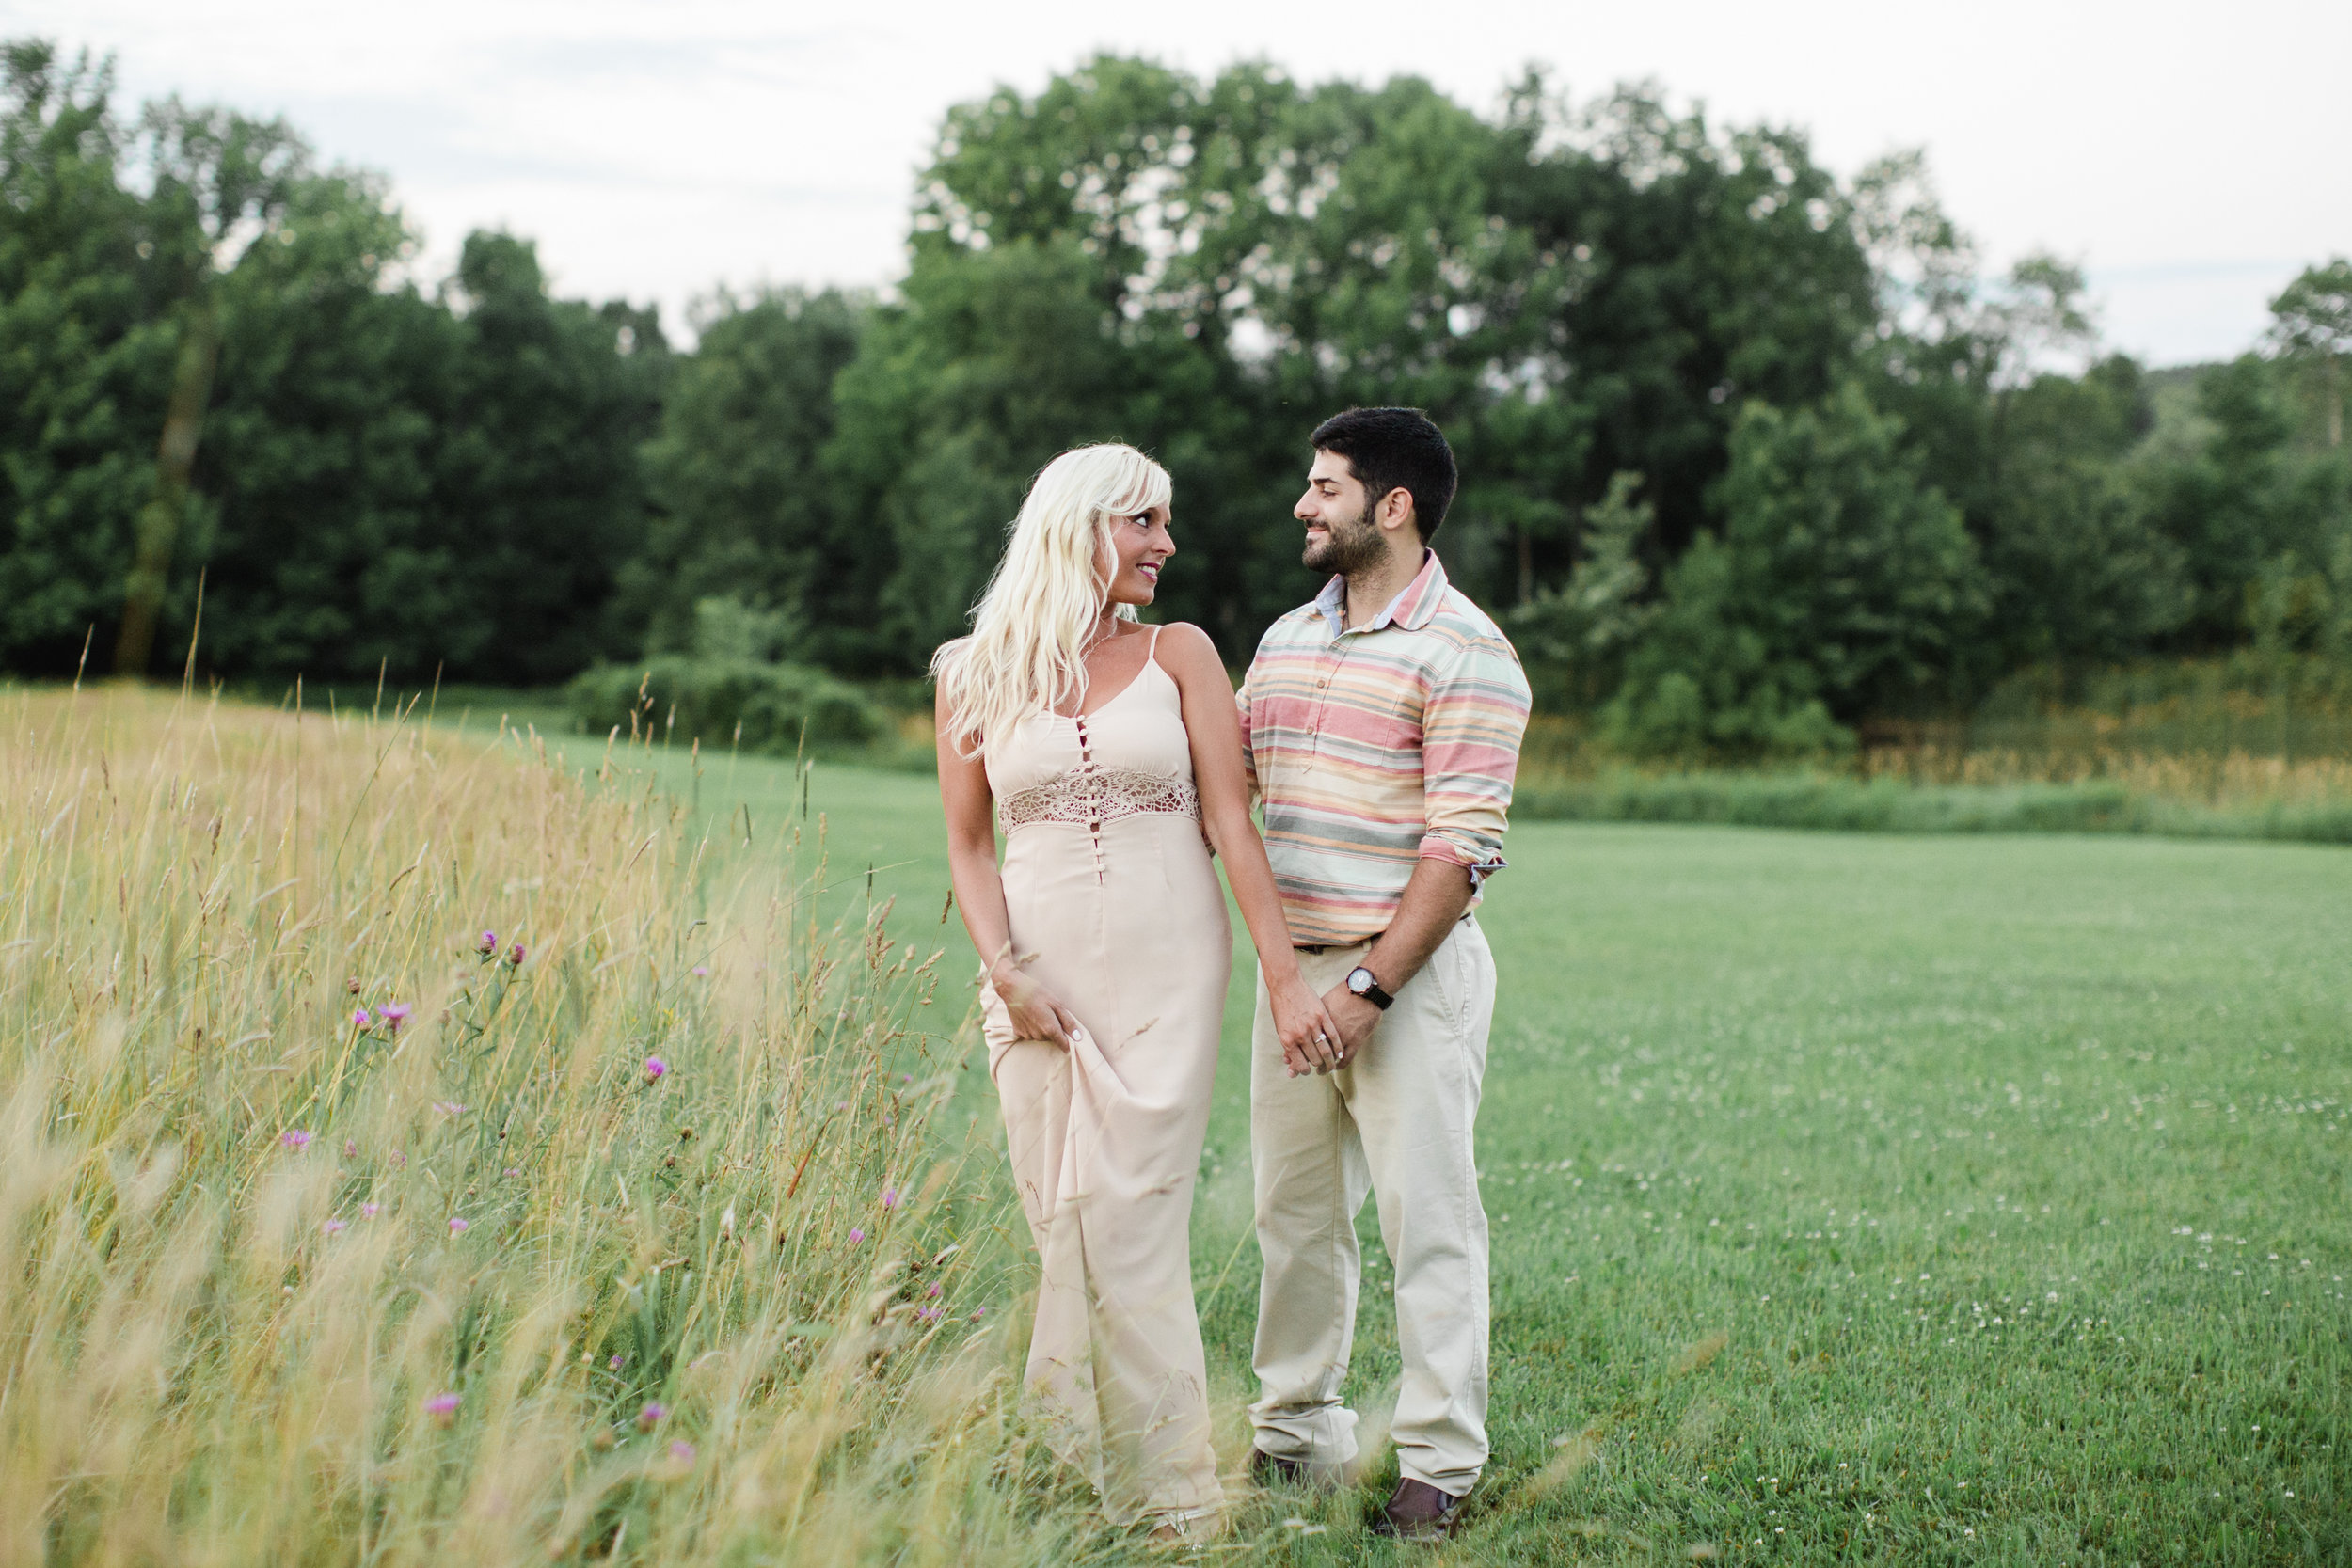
(723,702)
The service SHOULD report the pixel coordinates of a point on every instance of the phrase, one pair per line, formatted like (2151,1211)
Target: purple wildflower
(489,945)
(682,1452)
(457,1226)
(449,1107)
(351,1149)
(369,1210)
(358,1018)
(701,973)
(856,1235)
(395,1012)
(442,1408)
(651,1416)
(929,1314)
(511,1171)
(935,1290)
(614,1363)
(890,1197)
(295,1138)
(334,1227)
(515,955)
(654,1068)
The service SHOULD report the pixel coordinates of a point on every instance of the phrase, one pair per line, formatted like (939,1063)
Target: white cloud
(654,150)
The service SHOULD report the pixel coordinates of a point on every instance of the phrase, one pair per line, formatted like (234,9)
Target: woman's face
(1138,545)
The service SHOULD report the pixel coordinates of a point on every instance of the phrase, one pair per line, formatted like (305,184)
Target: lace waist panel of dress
(1091,795)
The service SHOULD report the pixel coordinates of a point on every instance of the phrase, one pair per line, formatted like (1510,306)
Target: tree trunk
(175,462)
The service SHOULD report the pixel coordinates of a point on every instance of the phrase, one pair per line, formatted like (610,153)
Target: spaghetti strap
(1152,649)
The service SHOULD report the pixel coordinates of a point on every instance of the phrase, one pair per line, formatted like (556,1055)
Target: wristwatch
(1360,982)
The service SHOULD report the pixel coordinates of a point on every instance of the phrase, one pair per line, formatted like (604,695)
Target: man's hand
(1356,1017)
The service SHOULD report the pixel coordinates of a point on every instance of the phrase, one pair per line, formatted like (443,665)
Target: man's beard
(1347,548)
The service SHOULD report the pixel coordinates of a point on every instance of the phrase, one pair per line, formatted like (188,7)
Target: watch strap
(1371,991)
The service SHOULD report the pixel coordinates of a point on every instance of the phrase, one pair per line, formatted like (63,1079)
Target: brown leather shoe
(1418,1512)
(1269,1470)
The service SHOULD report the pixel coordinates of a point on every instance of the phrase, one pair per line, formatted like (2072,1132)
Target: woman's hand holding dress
(1037,1014)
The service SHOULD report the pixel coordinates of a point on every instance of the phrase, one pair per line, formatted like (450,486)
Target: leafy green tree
(329,551)
(550,402)
(995,359)
(2080,573)
(220,185)
(2311,319)
(743,507)
(85,357)
(1579,634)
(1841,586)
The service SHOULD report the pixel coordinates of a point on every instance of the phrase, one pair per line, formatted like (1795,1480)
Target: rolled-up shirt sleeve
(1472,721)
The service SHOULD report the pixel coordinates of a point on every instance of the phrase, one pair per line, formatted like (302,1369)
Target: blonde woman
(1110,754)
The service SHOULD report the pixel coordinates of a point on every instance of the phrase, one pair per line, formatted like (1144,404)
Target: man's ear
(1396,509)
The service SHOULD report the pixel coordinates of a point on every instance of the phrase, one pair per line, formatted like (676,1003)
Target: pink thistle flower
(369,1210)
(351,1149)
(395,1013)
(929,1314)
(682,1452)
(890,1197)
(442,1408)
(935,1290)
(489,945)
(701,972)
(651,1416)
(358,1018)
(856,1235)
(295,1138)
(336,1227)
(654,1068)
(515,955)
(615,1363)
(511,1171)
(457,1226)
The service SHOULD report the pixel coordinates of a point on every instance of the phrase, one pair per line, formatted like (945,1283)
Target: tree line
(1751,453)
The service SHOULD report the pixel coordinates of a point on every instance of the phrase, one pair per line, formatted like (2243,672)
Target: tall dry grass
(2228,781)
(293,1278)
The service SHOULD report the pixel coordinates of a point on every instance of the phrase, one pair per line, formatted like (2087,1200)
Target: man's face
(1341,535)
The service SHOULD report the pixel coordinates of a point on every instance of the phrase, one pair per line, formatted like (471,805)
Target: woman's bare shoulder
(1182,639)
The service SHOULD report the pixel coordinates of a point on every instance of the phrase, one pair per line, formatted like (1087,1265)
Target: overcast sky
(2193,157)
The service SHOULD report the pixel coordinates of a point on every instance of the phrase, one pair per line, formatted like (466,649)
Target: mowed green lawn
(1917,1199)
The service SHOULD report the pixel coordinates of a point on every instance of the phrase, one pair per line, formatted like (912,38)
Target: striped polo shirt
(1376,747)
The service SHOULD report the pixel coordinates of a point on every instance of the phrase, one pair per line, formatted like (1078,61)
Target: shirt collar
(1411,609)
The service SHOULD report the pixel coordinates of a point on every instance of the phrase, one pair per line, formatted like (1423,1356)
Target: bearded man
(1382,726)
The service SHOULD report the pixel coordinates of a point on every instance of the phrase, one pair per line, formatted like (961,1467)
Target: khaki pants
(1397,1123)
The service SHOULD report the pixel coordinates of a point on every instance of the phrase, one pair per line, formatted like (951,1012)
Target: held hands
(1037,1013)
(1356,1018)
(1313,1039)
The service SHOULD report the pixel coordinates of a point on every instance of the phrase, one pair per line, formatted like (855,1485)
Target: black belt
(1327,946)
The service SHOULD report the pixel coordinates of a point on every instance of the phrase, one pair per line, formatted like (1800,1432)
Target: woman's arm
(963,794)
(1310,1041)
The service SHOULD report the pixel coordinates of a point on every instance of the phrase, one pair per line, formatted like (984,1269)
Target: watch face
(1360,981)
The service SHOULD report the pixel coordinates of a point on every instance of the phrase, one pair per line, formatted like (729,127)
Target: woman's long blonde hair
(1027,653)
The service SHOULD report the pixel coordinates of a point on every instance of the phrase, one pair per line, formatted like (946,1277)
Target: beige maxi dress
(1114,909)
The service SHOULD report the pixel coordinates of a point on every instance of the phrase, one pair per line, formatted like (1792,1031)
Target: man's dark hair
(1396,449)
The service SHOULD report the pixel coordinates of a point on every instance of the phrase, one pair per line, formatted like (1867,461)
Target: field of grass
(1874,1197)
(1855,1198)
